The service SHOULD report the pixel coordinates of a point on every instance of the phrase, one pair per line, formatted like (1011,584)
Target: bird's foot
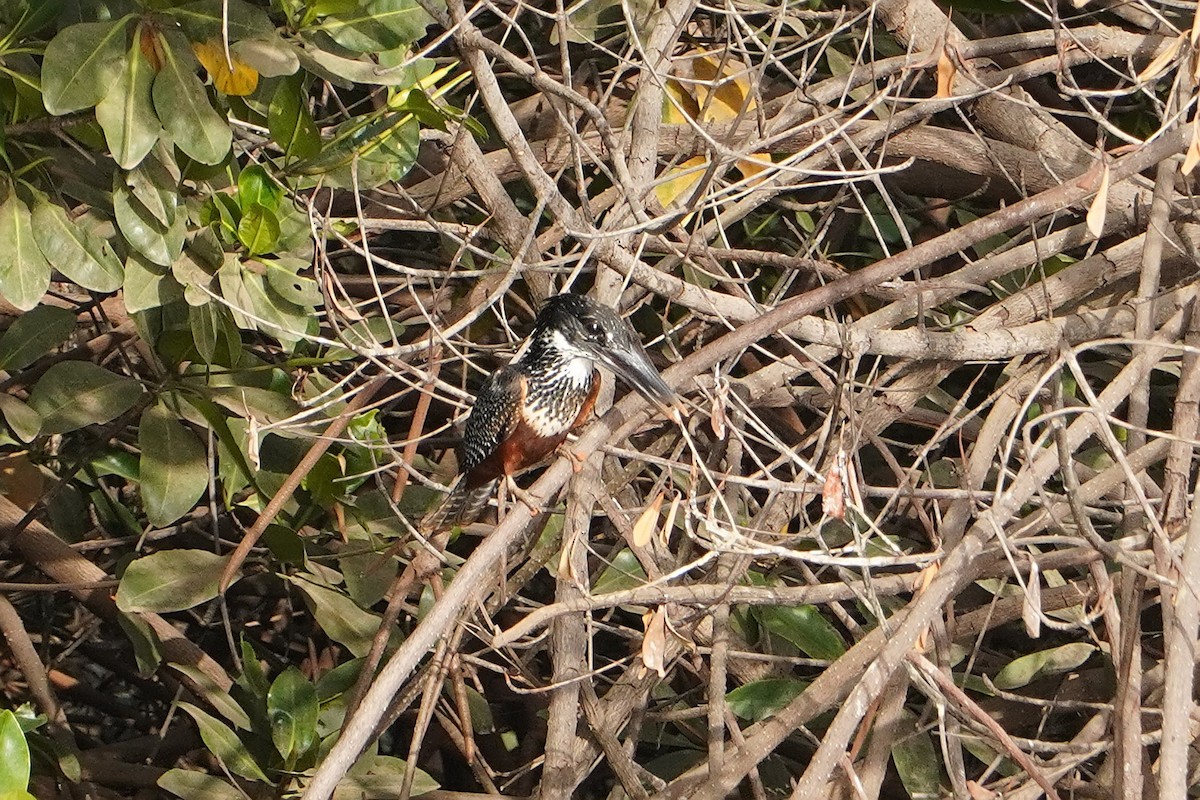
(577,460)
(526,499)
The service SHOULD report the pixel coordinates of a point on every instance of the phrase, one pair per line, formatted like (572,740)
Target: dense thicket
(925,275)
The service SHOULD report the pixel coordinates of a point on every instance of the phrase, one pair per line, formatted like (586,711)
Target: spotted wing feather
(491,421)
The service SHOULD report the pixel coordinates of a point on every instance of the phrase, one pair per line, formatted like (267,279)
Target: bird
(524,410)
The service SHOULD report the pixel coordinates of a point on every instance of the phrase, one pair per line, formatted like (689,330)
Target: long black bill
(634,366)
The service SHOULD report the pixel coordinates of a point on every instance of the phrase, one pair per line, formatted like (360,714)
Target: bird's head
(579,327)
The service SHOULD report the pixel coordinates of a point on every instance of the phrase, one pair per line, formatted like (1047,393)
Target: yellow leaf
(722,89)
(1193,154)
(754,165)
(20,481)
(679,181)
(1162,61)
(679,107)
(241,80)
(945,75)
(643,529)
(1098,211)
(654,643)
(669,525)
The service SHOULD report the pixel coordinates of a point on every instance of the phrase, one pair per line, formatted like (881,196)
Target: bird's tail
(462,506)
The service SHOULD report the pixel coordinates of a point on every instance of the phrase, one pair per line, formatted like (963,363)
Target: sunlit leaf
(24,271)
(382,778)
(290,122)
(917,760)
(81,63)
(341,618)
(256,186)
(759,700)
(25,423)
(1055,661)
(148,285)
(225,745)
(236,19)
(126,114)
(296,289)
(14,757)
(258,230)
(229,75)
(33,334)
(806,628)
(292,710)
(624,571)
(78,254)
(174,469)
(193,785)
(271,58)
(946,72)
(73,394)
(647,522)
(678,182)
(158,242)
(371,26)
(197,128)
(170,580)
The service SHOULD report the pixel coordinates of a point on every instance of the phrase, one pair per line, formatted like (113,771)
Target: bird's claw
(577,460)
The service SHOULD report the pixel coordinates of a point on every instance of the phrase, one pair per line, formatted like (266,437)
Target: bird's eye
(593,329)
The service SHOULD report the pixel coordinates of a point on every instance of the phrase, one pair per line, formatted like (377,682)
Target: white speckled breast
(554,398)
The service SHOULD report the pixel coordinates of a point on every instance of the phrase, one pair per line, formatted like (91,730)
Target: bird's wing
(492,417)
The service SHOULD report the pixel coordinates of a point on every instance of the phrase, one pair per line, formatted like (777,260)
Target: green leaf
(192,785)
(367,155)
(148,285)
(271,57)
(255,185)
(216,337)
(806,628)
(225,744)
(24,271)
(259,229)
(252,678)
(187,113)
(276,316)
(146,647)
(78,254)
(380,778)
(623,572)
(377,25)
(80,65)
(290,122)
(598,20)
(170,580)
(236,18)
(292,709)
(483,720)
(14,757)
(33,334)
(759,700)
(24,421)
(71,395)
(155,187)
(282,277)
(1055,661)
(917,762)
(174,469)
(216,696)
(349,71)
(159,242)
(340,617)
(126,116)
